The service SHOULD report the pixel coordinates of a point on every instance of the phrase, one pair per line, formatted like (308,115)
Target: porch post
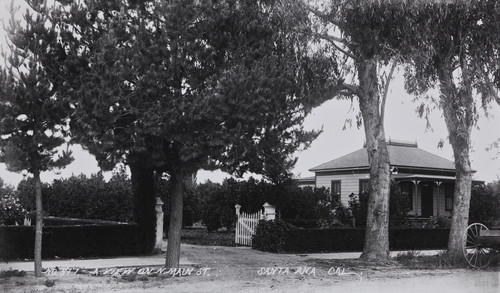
(415,204)
(438,195)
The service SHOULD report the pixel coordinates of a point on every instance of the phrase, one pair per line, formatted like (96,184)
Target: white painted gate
(246,223)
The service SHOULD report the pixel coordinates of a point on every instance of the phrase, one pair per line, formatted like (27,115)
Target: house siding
(349,183)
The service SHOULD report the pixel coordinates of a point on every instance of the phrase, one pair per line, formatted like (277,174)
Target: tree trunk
(144,205)
(376,247)
(459,117)
(39,223)
(175,226)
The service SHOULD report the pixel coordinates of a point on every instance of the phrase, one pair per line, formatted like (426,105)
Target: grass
(12,273)
(414,260)
(200,236)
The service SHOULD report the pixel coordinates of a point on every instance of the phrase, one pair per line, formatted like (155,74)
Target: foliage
(217,205)
(25,191)
(200,236)
(359,207)
(192,207)
(271,235)
(485,203)
(12,273)
(5,188)
(414,260)
(304,203)
(11,211)
(34,121)
(437,222)
(72,241)
(219,85)
(217,201)
(398,205)
(83,197)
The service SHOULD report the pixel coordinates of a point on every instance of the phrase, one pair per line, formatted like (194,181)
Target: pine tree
(34,120)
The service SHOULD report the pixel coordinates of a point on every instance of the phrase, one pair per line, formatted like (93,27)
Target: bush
(271,235)
(335,240)
(11,210)
(82,197)
(485,203)
(398,205)
(70,241)
(191,209)
(297,204)
(217,206)
(437,222)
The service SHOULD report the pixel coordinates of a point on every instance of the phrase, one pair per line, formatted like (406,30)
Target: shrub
(304,203)
(12,273)
(217,201)
(271,235)
(217,206)
(191,209)
(398,205)
(70,241)
(437,222)
(11,211)
(83,197)
(485,203)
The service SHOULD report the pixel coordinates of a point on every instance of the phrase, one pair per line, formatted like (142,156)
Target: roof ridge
(336,159)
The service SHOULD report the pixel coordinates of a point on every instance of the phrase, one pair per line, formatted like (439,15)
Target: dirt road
(230,269)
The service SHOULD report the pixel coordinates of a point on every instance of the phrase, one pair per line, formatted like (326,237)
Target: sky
(401,123)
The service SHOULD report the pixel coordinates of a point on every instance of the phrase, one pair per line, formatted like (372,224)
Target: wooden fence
(246,223)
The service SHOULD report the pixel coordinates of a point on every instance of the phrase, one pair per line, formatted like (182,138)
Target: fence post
(238,230)
(159,223)
(269,212)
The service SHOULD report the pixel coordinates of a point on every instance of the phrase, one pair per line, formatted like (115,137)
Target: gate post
(159,223)
(237,232)
(269,212)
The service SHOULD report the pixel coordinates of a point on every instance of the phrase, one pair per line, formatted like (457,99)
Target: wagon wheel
(475,254)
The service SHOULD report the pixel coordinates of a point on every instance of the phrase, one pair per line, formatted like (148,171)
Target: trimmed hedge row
(71,241)
(331,240)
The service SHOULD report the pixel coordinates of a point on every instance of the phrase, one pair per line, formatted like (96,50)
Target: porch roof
(424,177)
(431,178)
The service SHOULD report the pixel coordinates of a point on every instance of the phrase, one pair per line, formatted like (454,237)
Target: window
(449,190)
(335,190)
(364,186)
(407,192)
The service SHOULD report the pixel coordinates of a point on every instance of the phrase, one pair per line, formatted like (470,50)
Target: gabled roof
(400,154)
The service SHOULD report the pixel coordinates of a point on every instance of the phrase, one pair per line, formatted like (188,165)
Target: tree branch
(386,90)
(332,40)
(322,15)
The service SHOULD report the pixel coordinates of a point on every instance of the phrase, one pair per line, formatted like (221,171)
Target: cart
(480,245)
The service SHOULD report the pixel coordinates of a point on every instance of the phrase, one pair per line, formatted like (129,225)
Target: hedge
(336,240)
(71,241)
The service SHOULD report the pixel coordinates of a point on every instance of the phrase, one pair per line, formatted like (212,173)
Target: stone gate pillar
(269,212)
(159,223)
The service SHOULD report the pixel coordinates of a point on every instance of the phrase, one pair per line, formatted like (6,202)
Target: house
(426,179)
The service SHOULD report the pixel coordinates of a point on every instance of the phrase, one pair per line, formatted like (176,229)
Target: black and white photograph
(250,146)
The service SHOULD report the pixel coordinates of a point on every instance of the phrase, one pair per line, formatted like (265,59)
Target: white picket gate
(246,223)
